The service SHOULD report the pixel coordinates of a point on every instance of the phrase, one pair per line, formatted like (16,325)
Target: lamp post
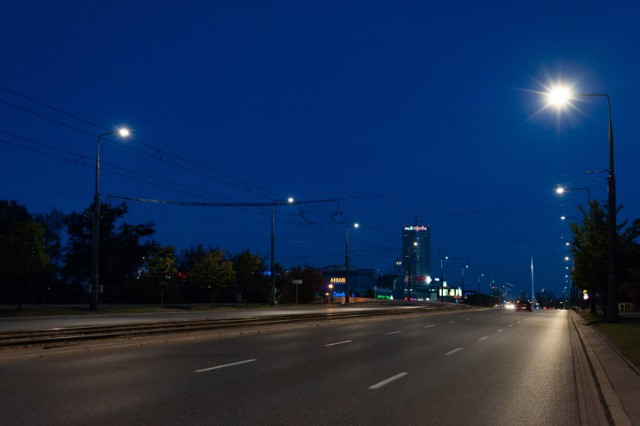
(346,260)
(290,200)
(560,190)
(95,234)
(442,280)
(560,96)
(466,266)
(411,253)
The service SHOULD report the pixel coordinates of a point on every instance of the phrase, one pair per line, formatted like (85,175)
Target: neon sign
(416,228)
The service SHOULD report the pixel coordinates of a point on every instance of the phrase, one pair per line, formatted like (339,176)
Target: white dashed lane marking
(387,381)
(225,365)
(338,343)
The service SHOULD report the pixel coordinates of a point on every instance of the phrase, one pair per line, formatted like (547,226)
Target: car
(523,305)
(509,306)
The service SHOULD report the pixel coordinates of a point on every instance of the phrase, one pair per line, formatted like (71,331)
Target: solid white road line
(453,351)
(394,332)
(386,382)
(225,365)
(338,343)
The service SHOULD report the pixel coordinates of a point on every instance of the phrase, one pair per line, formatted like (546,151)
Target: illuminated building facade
(416,254)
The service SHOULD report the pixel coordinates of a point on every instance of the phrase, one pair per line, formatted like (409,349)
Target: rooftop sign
(416,228)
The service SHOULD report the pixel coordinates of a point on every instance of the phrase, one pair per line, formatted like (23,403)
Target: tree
(161,271)
(249,269)
(47,285)
(22,251)
(214,273)
(122,250)
(590,250)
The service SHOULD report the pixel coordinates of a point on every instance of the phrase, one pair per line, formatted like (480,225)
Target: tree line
(590,269)
(46,258)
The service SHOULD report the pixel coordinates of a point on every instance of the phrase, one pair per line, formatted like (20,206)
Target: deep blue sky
(394,108)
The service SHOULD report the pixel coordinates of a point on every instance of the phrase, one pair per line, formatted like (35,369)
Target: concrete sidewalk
(616,381)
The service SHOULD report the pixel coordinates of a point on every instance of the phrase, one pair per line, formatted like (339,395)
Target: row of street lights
(560,97)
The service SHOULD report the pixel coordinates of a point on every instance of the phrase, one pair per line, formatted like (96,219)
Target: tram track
(65,335)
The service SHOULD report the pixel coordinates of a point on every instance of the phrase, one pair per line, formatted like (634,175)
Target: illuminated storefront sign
(451,292)
(338,280)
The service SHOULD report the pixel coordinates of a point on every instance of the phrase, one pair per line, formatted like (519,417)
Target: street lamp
(466,266)
(289,200)
(560,190)
(95,235)
(442,280)
(411,255)
(560,96)
(346,260)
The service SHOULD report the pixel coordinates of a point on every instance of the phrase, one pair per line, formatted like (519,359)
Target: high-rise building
(416,253)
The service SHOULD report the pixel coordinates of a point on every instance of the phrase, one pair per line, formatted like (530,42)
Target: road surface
(488,367)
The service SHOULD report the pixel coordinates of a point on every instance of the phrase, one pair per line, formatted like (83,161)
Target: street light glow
(290,200)
(124,132)
(560,190)
(559,96)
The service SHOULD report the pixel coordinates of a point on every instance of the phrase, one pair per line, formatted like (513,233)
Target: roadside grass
(624,335)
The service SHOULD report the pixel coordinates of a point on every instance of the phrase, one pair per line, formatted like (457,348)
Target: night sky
(391,109)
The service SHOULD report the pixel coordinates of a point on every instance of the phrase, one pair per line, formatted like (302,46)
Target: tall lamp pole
(346,261)
(442,281)
(290,200)
(95,234)
(561,96)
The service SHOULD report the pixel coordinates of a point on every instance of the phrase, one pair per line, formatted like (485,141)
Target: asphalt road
(480,367)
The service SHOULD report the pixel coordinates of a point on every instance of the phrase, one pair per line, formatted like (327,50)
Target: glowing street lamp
(411,255)
(346,260)
(559,97)
(288,201)
(95,235)
(560,190)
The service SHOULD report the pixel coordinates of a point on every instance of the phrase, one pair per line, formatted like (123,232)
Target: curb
(606,365)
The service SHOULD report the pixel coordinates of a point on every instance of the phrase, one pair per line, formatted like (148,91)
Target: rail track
(57,336)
